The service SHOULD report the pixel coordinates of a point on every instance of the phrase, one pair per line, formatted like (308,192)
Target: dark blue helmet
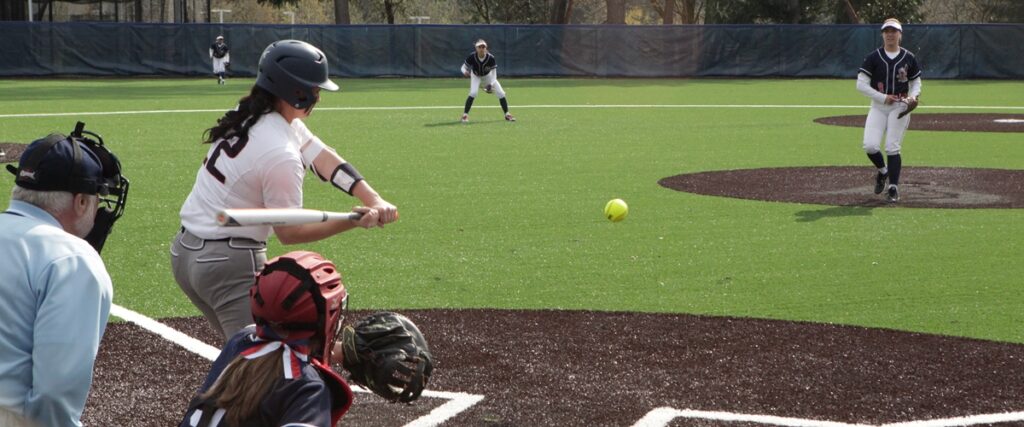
(290,69)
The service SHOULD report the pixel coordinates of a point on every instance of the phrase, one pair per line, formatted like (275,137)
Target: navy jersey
(219,49)
(891,76)
(481,68)
(305,399)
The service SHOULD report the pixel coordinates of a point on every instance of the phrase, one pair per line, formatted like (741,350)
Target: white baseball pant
(882,122)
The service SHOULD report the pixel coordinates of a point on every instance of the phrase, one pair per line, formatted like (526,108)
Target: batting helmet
(290,69)
(299,296)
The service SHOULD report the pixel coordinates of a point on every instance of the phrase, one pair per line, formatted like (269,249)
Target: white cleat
(509,117)
(465,118)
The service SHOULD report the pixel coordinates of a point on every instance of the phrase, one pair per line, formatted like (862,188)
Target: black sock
(895,163)
(469,104)
(504,105)
(877,159)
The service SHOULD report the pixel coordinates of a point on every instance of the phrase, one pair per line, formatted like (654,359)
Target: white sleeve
(915,88)
(211,52)
(464,68)
(864,86)
(227,57)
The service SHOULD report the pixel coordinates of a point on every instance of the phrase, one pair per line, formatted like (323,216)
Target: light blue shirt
(55,297)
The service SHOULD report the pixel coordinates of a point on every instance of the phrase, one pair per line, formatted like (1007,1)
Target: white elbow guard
(345,177)
(312,149)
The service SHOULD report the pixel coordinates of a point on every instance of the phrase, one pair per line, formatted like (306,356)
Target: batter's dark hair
(250,108)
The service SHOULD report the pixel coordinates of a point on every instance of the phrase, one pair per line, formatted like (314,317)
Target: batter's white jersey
(264,170)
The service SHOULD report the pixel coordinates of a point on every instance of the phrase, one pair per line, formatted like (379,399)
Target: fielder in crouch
(258,155)
(481,68)
(891,77)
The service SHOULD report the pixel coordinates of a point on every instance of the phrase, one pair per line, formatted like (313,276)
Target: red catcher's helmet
(299,296)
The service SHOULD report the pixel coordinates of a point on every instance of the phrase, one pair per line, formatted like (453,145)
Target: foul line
(660,417)
(456,107)
(457,402)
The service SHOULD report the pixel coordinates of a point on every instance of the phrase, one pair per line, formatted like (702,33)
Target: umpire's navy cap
(59,163)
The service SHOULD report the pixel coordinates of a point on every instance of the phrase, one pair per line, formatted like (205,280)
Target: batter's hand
(370,218)
(388,212)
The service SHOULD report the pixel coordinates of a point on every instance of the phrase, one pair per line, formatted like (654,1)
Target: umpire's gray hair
(54,202)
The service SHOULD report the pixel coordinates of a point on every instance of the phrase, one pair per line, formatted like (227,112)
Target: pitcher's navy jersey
(891,76)
(481,68)
(219,49)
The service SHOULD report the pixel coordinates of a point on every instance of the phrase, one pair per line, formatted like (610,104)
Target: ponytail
(243,385)
(238,121)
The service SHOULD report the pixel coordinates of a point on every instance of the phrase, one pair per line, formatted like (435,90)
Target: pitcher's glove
(386,353)
(911,105)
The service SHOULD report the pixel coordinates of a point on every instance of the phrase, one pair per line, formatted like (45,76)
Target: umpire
(55,293)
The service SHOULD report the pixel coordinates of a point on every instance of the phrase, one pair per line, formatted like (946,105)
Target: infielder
(891,77)
(482,68)
(257,159)
(221,57)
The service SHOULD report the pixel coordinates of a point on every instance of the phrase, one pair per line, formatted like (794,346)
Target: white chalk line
(660,417)
(457,402)
(459,107)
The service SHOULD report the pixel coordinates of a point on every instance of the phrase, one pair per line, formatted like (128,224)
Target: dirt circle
(10,152)
(920,187)
(957,122)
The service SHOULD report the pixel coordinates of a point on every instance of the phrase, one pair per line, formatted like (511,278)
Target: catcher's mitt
(911,105)
(386,353)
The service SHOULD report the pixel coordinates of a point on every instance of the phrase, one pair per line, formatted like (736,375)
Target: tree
(341,15)
(1003,11)
(876,11)
(616,12)
(507,11)
(561,10)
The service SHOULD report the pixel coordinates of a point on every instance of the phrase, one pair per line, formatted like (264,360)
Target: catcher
(298,304)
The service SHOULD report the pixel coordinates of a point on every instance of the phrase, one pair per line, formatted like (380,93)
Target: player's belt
(235,242)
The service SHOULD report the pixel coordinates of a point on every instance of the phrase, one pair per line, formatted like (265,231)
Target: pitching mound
(10,152)
(959,122)
(920,187)
(576,368)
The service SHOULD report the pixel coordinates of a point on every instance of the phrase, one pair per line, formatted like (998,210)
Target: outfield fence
(963,51)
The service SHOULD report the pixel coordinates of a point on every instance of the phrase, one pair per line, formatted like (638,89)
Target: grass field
(508,215)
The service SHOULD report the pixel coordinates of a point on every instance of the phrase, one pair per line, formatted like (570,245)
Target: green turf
(509,215)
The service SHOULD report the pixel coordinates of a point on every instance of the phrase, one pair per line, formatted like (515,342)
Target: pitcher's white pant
(9,418)
(490,79)
(881,122)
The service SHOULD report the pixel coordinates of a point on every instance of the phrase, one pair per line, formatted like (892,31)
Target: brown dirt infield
(920,187)
(958,122)
(10,152)
(576,368)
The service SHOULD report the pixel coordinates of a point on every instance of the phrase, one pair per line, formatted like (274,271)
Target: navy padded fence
(125,49)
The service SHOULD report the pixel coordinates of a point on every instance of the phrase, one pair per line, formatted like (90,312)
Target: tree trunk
(616,12)
(138,10)
(341,16)
(686,13)
(850,12)
(670,12)
(558,12)
(389,11)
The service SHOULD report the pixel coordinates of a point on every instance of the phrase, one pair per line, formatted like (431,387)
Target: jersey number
(226,147)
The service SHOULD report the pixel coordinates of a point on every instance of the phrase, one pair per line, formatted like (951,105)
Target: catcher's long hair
(238,121)
(241,387)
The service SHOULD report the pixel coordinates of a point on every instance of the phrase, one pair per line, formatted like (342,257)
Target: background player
(221,57)
(481,68)
(891,77)
(257,159)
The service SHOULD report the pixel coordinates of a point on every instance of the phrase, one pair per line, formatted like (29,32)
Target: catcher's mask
(299,296)
(290,69)
(77,164)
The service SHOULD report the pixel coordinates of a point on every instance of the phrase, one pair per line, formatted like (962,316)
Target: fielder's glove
(911,105)
(227,65)
(387,354)
(488,89)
